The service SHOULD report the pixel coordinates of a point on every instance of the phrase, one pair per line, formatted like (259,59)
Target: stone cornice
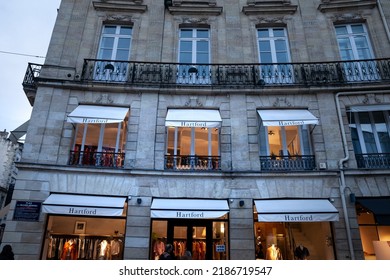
(185,7)
(345,5)
(270,7)
(120,6)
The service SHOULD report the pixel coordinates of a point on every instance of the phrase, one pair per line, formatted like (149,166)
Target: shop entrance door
(195,236)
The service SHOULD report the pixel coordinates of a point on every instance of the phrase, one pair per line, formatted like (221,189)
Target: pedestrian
(168,253)
(187,256)
(6,253)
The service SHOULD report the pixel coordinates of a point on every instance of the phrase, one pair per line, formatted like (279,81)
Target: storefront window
(84,238)
(374,228)
(204,239)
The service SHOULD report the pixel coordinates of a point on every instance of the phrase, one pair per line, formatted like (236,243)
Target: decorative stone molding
(118,18)
(270,21)
(202,7)
(281,102)
(348,5)
(347,18)
(129,6)
(195,21)
(269,7)
(371,99)
(104,99)
(193,101)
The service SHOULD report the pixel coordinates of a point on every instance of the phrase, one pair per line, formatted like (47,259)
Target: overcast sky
(26,27)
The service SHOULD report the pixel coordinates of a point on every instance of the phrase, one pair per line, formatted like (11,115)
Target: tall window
(370,132)
(195,148)
(273,52)
(285,141)
(354,44)
(100,135)
(194,56)
(114,53)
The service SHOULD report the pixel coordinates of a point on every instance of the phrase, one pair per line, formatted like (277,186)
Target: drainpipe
(382,14)
(345,159)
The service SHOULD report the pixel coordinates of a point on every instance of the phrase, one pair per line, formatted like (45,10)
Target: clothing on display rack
(198,250)
(84,248)
(273,253)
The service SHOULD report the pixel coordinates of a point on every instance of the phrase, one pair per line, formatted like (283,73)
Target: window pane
(126,30)
(275,140)
(263,33)
(202,46)
(185,46)
(357,28)
(265,46)
(201,141)
(124,43)
(381,129)
(279,32)
(107,42)
(171,141)
(202,34)
(185,58)
(184,142)
(280,45)
(293,141)
(202,58)
(341,30)
(109,29)
(122,55)
(368,134)
(186,33)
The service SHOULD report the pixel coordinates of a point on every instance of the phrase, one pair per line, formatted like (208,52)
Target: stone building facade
(228,128)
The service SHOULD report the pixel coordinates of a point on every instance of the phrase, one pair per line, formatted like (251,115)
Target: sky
(26,29)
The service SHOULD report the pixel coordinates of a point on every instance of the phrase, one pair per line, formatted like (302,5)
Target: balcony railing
(249,75)
(32,72)
(192,163)
(373,161)
(99,159)
(287,163)
(228,75)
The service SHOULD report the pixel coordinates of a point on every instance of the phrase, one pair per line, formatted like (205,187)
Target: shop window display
(99,239)
(293,241)
(204,239)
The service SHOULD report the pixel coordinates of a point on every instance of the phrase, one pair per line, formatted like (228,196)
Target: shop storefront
(373,215)
(200,226)
(288,229)
(83,227)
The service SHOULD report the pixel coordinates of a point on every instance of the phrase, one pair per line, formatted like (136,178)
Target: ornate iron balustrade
(373,161)
(228,75)
(287,163)
(32,72)
(245,75)
(192,163)
(99,159)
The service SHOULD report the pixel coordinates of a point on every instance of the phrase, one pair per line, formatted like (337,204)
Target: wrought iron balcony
(373,161)
(287,163)
(336,73)
(192,163)
(99,159)
(241,75)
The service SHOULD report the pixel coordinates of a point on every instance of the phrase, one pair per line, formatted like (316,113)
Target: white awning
(193,118)
(97,114)
(84,205)
(296,210)
(286,117)
(188,208)
(369,108)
